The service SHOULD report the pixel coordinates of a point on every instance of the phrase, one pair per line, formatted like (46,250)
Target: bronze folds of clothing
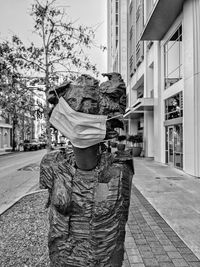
(88,209)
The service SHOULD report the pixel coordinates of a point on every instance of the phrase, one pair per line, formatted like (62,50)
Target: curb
(19,198)
(9,153)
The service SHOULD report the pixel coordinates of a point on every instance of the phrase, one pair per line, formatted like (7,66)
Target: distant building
(5,134)
(117,37)
(163,70)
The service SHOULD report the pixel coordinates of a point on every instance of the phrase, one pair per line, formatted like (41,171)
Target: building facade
(5,134)
(117,37)
(163,79)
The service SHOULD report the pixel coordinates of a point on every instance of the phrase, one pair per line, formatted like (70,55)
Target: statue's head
(87,96)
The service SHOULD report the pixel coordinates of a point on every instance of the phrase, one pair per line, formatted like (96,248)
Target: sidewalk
(164,220)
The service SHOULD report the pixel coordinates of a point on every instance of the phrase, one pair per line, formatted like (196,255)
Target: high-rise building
(117,37)
(163,79)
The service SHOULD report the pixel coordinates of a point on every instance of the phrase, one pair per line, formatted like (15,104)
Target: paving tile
(135,259)
(163,258)
(141,241)
(158,250)
(138,235)
(154,244)
(150,241)
(147,254)
(174,255)
(184,250)
(144,248)
(126,263)
(190,257)
(151,238)
(194,264)
(132,251)
(128,244)
(165,242)
(166,264)
(179,262)
(169,248)
(151,262)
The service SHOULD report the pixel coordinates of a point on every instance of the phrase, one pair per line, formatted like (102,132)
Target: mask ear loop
(117,116)
(56,93)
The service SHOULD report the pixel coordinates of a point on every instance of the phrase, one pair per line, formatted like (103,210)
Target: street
(15,182)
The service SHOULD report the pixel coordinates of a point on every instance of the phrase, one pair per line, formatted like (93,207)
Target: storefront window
(173,58)
(174,107)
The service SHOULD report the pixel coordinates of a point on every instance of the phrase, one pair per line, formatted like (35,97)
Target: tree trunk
(13,135)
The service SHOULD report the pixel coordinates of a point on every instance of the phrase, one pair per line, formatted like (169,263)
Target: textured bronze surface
(88,210)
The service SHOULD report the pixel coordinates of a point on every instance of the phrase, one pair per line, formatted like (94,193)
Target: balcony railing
(139,52)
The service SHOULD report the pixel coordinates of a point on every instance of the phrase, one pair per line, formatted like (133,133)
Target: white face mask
(82,129)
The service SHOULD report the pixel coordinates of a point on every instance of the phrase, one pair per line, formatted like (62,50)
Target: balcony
(143,104)
(136,111)
(130,114)
(161,18)
(139,52)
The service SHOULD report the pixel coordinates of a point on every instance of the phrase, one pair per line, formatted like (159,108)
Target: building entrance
(174,145)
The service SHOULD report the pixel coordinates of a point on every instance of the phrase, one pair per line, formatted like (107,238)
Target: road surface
(19,174)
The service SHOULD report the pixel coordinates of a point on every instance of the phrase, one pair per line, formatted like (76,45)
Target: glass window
(149,7)
(117,6)
(117,19)
(174,107)
(173,58)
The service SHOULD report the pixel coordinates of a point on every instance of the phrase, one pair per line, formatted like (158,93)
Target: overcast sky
(15,19)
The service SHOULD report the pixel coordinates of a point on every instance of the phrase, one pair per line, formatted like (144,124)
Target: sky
(15,19)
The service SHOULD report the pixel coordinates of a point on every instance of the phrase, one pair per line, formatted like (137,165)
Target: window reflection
(174,107)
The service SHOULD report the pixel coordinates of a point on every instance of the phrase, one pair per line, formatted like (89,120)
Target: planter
(113,144)
(121,147)
(136,151)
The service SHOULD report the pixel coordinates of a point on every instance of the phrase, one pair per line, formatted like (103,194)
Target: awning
(5,125)
(144,104)
(131,114)
(161,18)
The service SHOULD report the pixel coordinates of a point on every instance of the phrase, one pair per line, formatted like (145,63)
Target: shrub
(121,138)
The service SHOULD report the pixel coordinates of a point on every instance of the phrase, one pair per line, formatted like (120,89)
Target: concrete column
(158,125)
(148,115)
(1,137)
(149,134)
(191,127)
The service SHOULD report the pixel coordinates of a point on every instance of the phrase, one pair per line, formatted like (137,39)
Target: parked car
(43,144)
(32,144)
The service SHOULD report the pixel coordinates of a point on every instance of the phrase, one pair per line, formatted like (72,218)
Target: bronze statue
(89,187)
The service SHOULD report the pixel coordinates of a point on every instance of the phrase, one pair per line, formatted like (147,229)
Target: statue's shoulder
(112,165)
(50,157)
(51,162)
(124,158)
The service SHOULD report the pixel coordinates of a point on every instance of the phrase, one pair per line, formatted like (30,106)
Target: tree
(16,99)
(61,52)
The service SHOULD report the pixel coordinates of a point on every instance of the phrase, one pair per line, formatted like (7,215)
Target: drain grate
(175,178)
